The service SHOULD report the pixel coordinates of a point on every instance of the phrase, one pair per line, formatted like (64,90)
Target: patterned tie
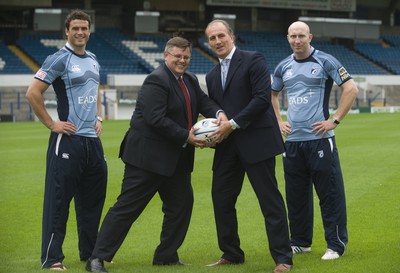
(224,71)
(187,101)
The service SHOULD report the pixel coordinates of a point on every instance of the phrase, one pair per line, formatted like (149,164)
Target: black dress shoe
(95,265)
(169,263)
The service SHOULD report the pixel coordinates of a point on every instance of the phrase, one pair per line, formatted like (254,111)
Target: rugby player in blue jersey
(311,156)
(75,165)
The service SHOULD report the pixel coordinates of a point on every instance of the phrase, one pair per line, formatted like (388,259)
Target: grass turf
(370,157)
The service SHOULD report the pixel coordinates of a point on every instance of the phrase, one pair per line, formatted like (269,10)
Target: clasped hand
(214,138)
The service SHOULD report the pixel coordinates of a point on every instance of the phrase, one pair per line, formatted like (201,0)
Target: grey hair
(178,42)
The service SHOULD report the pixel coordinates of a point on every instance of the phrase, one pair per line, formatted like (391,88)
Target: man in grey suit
(251,141)
(158,152)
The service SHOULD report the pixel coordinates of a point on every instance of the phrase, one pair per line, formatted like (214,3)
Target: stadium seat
(10,63)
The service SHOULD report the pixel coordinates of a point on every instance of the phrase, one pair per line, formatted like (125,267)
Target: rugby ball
(205,127)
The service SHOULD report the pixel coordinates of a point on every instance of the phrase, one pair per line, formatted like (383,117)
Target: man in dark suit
(251,140)
(158,152)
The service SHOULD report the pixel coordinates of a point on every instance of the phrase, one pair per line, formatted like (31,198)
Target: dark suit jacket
(247,99)
(158,127)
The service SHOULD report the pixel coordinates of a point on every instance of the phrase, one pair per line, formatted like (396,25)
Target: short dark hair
(178,42)
(77,14)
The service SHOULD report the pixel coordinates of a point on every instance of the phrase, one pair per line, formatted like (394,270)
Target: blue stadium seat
(10,63)
(388,57)
(119,54)
(275,47)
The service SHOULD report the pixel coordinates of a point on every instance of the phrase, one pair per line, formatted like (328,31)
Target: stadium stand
(275,47)
(150,48)
(354,63)
(116,53)
(131,62)
(111,59)
(388,56)
(120,54)
(39,45)
(393,40)
(10,63)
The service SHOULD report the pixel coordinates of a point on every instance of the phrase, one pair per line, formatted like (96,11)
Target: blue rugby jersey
(309,83)
(75,79)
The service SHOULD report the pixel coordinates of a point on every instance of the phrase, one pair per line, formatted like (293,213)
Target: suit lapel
(176,89)
(233,66)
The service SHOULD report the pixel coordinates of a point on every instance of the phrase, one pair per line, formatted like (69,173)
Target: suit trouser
(138,188)
(76,168)
(315,162)
(227,184)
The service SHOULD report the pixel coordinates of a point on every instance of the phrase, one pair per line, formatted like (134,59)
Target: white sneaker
(330,255)
(300,249)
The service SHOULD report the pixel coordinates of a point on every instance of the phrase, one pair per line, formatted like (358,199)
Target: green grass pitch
(370,156)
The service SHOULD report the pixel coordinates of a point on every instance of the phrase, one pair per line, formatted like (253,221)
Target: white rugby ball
(205,127)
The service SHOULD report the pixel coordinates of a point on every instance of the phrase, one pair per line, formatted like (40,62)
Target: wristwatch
(99,118)
(336,121)
(233,124)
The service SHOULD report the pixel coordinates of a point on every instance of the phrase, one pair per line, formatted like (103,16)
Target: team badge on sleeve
(343,73)
(40,74)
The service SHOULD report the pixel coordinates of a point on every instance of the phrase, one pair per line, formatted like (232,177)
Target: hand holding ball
(205,128)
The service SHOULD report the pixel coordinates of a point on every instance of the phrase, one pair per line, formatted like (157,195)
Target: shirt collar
(229,55)
(69,46)
(176,76)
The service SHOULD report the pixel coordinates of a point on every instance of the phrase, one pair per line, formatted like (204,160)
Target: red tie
(187,100)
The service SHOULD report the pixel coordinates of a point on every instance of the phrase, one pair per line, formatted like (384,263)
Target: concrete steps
(24,58)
